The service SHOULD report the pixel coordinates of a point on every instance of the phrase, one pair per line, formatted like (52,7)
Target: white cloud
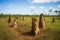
(42,1)
(59,6)
(10,5)
(32,7)
(41,7)
(54,9)
(51,8)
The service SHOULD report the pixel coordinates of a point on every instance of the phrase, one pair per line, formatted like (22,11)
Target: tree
(50,11)
(57,12)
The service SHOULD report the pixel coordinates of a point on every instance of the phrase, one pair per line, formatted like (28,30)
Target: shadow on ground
(29,33)
(45,34)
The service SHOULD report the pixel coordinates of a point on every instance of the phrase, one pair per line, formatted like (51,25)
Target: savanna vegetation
(51,31)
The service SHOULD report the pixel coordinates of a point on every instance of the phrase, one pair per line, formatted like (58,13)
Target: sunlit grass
(51,31)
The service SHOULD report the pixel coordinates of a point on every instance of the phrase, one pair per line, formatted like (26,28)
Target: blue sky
(28,6)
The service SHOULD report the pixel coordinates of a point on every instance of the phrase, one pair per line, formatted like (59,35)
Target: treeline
(6,15)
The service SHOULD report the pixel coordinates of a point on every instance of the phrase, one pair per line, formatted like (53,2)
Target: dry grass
(51,31)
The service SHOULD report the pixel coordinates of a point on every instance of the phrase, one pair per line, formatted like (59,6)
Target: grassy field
(51,31)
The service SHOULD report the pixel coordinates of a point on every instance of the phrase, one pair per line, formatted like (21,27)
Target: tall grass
(51,31)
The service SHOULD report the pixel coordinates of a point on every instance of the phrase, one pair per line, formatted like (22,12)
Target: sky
(28,7)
